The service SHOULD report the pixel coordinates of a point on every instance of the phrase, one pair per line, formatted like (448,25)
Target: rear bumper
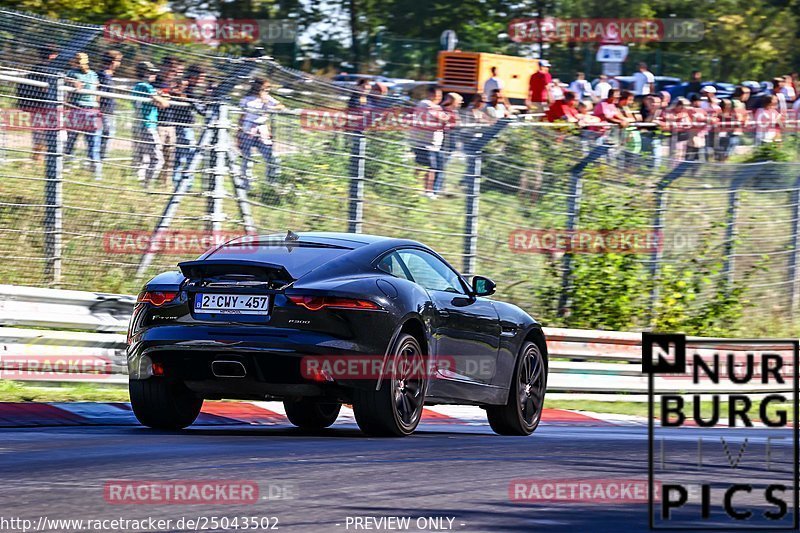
(272,358)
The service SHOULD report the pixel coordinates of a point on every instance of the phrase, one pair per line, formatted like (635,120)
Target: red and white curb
(31,414)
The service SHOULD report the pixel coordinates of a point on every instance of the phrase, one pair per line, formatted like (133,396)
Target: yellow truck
(466,72)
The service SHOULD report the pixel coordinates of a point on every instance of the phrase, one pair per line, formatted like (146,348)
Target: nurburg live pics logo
(722,413)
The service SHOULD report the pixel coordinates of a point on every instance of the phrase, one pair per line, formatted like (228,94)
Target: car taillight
(157,298)
(315,303)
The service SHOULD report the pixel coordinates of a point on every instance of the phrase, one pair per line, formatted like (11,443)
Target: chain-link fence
(104,186)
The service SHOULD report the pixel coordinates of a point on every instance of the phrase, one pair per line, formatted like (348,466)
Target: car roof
(359,246)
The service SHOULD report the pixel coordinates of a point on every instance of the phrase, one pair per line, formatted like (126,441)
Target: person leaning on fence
(711,105)
(254,131)
(427,137)
(725,124)
(734,118)
(768,121)
(632,137)
(608,111)
(564,109)
(587,119)
(379,107)
(378,98)
(498,106)
(83,113)
(32,99)
(451,106)
(698,134)
(651,112)
(475,112)
(166,83)
(188,90)
(148,152)
(112,59)
(358,107)
(678,123)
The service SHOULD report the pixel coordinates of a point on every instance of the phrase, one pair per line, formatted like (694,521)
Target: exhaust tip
(228,369)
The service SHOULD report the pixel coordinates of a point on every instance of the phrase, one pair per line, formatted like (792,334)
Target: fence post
(573,217)
(658,225)
(53,193)
(358,154)
(240,192)
(730,235)
(473,148)
(216,185)
(731,232)
(472,180)
(793,257)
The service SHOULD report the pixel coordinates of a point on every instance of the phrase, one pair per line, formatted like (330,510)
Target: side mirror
(483,286)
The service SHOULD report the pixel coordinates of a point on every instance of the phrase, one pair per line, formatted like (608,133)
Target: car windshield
(297,258)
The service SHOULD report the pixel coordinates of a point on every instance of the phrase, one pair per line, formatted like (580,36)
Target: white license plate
(232,304)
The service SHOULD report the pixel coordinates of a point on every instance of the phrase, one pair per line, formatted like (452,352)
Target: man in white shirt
(602,88)
(643,81)
(581,87)
(427,137)
(492,84)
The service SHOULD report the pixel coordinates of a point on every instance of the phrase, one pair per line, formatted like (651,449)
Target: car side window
(428,271)
(392,266)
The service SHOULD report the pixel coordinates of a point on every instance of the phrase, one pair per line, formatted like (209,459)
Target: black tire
(522,412)
(310,413)
(163,403)
(396,408)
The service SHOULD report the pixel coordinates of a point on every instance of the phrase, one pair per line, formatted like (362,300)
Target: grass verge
(17,391)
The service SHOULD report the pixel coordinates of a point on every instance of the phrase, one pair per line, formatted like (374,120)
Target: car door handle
(444,313)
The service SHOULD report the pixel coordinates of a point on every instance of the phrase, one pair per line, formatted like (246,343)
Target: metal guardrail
(591,363)
(64,309)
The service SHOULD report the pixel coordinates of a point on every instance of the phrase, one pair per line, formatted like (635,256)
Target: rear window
(298,259)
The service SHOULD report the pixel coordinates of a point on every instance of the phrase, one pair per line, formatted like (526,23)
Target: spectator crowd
(696,125)
(167,100)
(643,119)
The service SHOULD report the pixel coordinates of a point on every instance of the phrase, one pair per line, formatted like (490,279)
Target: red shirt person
(563,109)
(539,87)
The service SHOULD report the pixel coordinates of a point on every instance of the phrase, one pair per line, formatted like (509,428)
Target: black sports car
(321,319)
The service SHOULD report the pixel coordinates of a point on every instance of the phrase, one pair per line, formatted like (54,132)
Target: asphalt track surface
(461,472)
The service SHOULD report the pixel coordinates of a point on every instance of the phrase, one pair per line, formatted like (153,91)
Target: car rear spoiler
(207,268)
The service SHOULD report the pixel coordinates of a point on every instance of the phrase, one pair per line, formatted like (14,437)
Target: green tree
(92,11)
